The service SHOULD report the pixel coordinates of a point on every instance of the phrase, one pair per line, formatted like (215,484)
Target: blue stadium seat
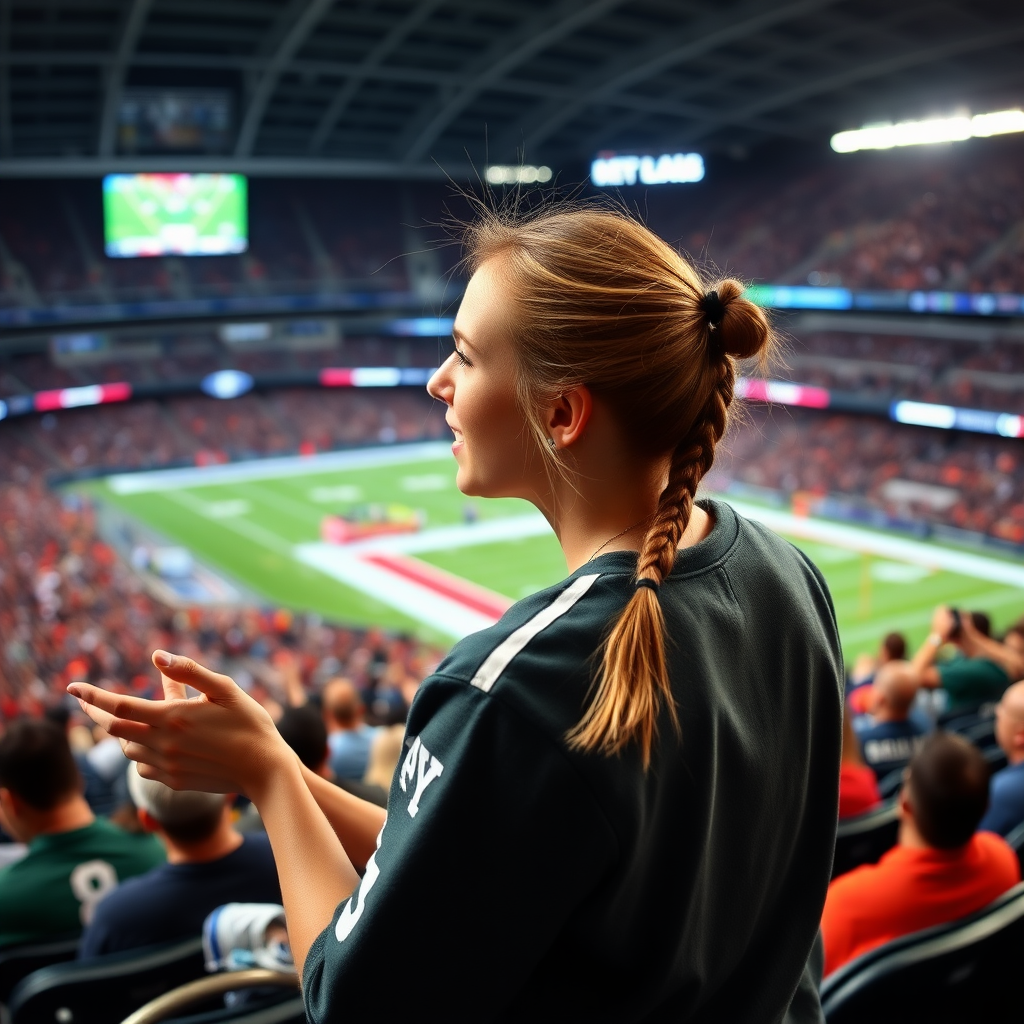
(967,970)
(979,727)
(106,989)
(863,839)
(17,962)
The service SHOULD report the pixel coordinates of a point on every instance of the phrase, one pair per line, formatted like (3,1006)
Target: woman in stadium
(619,802)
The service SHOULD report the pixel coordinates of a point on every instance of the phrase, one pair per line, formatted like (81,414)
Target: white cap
(170,806)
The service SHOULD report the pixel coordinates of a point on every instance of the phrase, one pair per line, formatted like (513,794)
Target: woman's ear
(568,416)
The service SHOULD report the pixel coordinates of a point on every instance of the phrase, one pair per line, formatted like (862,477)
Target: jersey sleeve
(491,841)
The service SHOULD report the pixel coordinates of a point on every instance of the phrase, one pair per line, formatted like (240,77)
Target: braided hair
(606,303)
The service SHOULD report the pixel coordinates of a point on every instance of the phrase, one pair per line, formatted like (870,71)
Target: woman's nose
(439,386)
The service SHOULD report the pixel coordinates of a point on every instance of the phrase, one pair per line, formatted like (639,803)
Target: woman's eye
(463,361)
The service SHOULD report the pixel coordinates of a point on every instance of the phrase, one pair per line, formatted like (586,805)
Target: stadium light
(933,130)
(516,174)
(611,169)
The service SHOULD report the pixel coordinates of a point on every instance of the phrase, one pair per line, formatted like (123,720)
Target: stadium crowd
(870,222)
(866,222)
(961,373)
(914,474)
(158,863)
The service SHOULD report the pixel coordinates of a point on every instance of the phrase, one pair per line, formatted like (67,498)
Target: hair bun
(743,330)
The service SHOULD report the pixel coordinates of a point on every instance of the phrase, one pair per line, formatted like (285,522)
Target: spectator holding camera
(941,868)
(983,672)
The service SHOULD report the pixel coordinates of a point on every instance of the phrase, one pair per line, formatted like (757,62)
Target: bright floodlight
(512,174)
(922,133)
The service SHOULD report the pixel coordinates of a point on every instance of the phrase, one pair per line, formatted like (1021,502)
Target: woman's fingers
(173,690)
(186,672)
(117,705)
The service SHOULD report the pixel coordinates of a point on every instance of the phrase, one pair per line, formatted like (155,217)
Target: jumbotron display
(175,214)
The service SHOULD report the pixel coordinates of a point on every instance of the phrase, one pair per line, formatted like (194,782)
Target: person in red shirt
(941,868)
(858,787)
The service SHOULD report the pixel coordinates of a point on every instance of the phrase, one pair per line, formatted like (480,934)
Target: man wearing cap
(209,863)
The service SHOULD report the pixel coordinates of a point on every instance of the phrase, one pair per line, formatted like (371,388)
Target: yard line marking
(289,506)
(931,556)
(247,529)
(448,616)
(268,469)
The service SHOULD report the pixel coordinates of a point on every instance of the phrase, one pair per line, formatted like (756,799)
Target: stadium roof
(357,87)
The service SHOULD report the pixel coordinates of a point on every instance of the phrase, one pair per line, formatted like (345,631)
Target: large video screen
(180,214)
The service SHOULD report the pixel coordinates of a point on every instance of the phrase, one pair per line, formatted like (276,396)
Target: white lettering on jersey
(421,763)
(354,908)
(90,882)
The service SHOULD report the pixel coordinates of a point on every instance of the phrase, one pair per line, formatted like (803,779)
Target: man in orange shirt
(940,870)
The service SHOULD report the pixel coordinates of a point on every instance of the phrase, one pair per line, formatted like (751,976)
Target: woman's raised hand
(221,741)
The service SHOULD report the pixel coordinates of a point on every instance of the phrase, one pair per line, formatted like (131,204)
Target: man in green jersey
(74,859)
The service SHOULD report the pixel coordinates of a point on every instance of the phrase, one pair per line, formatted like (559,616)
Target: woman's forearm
(315,872)
(356,822)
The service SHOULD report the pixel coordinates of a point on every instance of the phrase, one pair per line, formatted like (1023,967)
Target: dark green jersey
(54,888)
(516,879)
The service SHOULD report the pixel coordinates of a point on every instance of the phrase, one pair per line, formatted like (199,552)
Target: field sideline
(259,522)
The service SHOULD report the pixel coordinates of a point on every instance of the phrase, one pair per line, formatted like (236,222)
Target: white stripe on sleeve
(498,660)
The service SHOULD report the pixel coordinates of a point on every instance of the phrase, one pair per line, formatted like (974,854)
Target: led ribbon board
(610,169)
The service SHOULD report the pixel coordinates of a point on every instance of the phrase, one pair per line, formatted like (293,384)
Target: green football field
(259,523)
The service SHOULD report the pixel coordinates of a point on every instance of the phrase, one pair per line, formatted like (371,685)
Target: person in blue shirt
(888,736)
(209,863)
(1006,789)
(348,736)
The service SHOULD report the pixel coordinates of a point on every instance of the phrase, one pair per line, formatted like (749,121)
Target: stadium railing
(965,970)
(279,1008)
(106,989)
(863,839)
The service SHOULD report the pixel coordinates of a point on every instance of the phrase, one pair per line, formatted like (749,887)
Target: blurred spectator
(858,788)
(304,731)
(1006,790)
(208,863)
(941,868)
(385,753)
(892,648)
(348,736)
(980,675)
(888,736)
(74,858)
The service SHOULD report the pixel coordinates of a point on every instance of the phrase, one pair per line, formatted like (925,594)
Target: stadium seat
(863,839)
(962,971)
(979,727)
(18,962)
(1016,840)
(995,756)
(106,989)
(272,1000)
(889,785)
